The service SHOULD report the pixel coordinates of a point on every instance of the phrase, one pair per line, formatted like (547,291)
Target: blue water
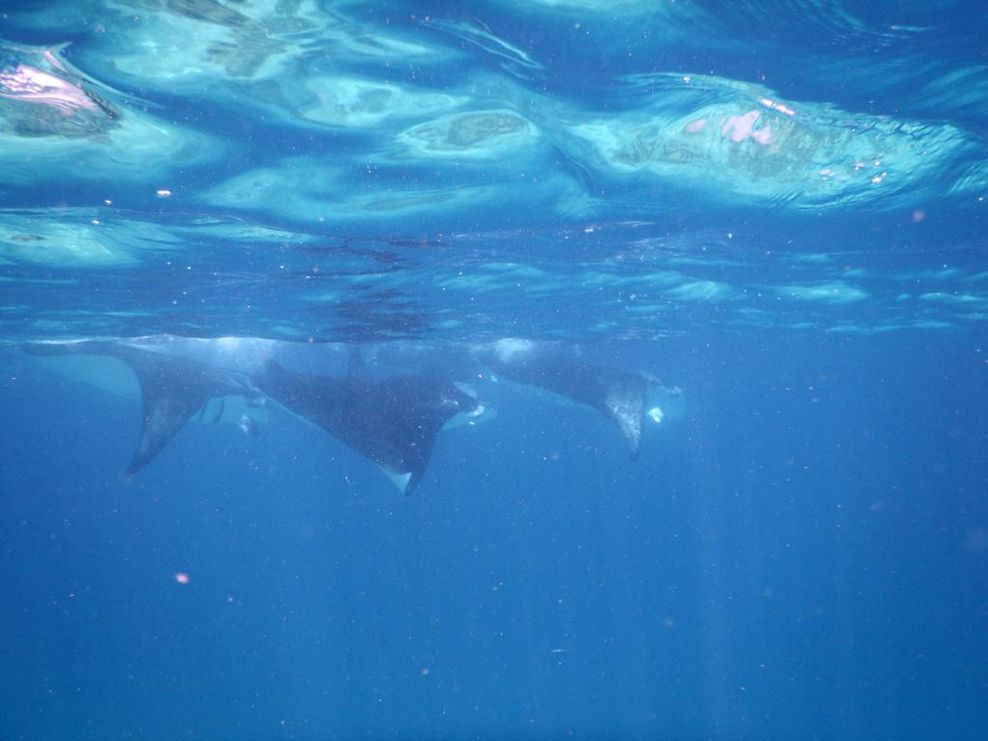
(776,207)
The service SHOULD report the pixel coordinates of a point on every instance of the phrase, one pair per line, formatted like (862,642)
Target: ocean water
(699,289)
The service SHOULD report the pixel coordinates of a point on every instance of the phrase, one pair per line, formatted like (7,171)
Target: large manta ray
(392,420)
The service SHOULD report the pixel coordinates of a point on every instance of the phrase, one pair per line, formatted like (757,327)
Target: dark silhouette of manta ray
(393,422)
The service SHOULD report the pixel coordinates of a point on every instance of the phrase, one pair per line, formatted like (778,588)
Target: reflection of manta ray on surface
(393,421)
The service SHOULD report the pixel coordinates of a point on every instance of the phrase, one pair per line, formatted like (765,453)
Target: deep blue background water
(804,555)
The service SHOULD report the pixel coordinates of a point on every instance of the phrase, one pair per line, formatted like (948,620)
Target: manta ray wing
(623,401)
(172,391)
(172,388)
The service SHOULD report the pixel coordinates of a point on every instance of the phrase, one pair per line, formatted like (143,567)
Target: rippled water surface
(342,170)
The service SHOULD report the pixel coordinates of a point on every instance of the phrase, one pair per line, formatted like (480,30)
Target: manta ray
(620,395)
(393,420)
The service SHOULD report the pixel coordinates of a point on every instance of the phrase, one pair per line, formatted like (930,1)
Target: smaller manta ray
(620,395)
(393,422)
